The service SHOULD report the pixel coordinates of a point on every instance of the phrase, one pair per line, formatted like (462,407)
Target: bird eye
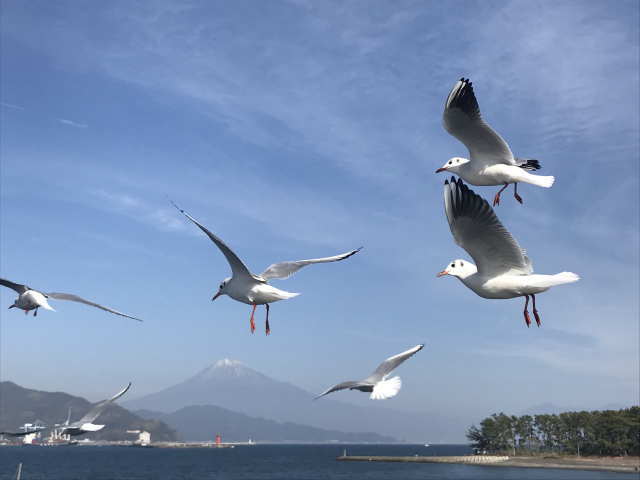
(449,162)
(453,265)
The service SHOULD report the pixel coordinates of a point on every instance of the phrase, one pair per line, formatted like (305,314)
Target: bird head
(453,165)
(459,268)
(222,288)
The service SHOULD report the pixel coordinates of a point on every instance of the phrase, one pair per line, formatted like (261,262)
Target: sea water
(258,462)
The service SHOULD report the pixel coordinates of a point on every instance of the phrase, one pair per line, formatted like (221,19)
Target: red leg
(515,193)
(527,320)
(496,199)
(252,323)
(267,330)
(535,312)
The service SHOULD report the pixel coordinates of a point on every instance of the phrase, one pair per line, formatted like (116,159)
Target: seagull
(253,289)
(84,425)
(502,268)
(377,383)
(30,299)
(490,159)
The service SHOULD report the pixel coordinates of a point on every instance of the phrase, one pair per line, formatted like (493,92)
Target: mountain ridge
(237,387)
(22,405)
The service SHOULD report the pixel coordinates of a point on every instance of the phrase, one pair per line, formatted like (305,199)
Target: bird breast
(30,300)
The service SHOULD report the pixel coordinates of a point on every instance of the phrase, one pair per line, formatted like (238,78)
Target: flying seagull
(30,299)
(502,268)
(490,159)
(84,425)
(252,289)
(377,383)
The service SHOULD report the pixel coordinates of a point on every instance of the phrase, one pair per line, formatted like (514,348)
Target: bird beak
(11,306)
(441,170)
(216,296)
(442,273)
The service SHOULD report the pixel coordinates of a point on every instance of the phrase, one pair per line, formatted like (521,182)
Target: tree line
(606,432)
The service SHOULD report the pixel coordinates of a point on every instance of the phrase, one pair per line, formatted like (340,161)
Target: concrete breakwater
(470,459)
(609,464)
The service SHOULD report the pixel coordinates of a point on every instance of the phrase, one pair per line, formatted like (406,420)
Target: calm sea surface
(260,462)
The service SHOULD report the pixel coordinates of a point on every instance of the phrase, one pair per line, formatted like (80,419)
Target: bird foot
(267,330)
(35,312)
(518,198)
(537,317)
(496,200)
(527,320)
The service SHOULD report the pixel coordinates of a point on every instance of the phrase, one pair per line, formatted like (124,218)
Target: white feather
(386,389)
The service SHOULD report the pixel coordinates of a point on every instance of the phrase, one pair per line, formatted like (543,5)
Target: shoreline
(609,464)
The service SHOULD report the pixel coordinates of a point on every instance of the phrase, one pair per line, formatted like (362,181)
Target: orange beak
(441,170)
(216,296)
(442,273)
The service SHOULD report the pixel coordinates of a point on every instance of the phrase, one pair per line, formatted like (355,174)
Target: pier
(470,459)
(609,464)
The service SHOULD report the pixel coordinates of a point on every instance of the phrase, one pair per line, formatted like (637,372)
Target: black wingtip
(175,205)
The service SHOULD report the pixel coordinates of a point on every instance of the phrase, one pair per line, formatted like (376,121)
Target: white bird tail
(564,277)
(546,281)
(46,306)
(386,389)
(539,180)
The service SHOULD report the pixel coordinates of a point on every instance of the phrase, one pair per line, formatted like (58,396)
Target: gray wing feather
(97,409)
(476,228)
(237,267)
(462,119)
(20,289)
(391,363)
(75,298)
(286,269)
(341,386)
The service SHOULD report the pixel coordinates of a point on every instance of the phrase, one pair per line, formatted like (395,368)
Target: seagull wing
(14,286)
(75,298)
(462,119)
(26,432)
(237,267)
(286,269)
(391,363)
(342,386)
(98,408)
(476,228)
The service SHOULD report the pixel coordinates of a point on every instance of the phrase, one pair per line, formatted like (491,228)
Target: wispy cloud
(71,123)
(11,105)
(138,209)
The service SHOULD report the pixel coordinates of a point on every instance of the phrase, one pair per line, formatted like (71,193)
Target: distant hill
(23,405)
(203,422)
(232,385)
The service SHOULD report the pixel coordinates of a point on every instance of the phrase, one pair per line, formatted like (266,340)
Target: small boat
(427,445)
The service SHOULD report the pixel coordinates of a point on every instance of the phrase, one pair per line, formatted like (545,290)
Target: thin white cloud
(138,209)
(11,105)
(71,123)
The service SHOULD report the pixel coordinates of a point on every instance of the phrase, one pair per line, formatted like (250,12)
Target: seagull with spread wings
(79,427)
(30,299)
(377,383)
(490,161)
(502,268)
(253,289)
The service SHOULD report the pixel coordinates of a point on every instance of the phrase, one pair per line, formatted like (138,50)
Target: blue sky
(300,129)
